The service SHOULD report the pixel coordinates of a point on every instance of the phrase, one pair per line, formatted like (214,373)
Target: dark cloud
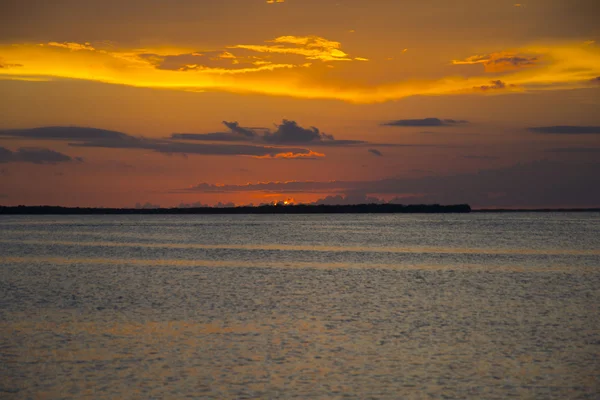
(92,137)
(502,61)
(167,147)
(494,85)
(237,129)
(287,133)
(64,133)
(425,122)
(566,130)
(210,137)
(596,80)
(35,155)
(535,184)
(217,61)
(516,61)
(6,66)
(291,132)
(375,152)
(236,134)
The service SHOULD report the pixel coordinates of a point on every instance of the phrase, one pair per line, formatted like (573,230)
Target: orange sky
(487,102)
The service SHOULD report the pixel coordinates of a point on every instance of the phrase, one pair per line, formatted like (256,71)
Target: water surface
(306,306)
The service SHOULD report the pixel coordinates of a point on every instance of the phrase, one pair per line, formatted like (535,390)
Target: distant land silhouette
(264,209)
(539,210)
(282,209)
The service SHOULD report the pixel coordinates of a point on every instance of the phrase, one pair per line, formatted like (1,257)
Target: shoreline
(269,209)
(281,209)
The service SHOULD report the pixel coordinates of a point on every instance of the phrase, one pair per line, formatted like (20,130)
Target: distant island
(535,210)
(264,209)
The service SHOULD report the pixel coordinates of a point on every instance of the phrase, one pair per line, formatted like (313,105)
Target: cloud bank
(287,133)
(536,184)
(93,137)
(35,155)
(292,66)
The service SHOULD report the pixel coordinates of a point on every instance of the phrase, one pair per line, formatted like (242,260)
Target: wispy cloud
(35,155)
(494,85)
(71,46)
(501,61)
(5,65)
(311,155)
(310,47)
(425,122)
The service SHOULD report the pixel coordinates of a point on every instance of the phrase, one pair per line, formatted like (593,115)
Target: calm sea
(300,306)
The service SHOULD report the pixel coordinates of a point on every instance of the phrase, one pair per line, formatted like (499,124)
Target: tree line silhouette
(264,209)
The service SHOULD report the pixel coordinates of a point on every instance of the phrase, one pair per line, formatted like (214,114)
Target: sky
(183,103)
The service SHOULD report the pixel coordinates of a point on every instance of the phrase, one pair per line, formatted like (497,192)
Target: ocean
(352,306)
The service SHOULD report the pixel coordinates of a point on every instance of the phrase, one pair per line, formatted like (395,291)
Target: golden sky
(493,103)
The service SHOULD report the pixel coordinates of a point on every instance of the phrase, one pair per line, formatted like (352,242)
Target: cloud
(595,80)
(236,133)
(501,61)
(566,130)
(290,132)
(275,1)
(535,184)
(6,65)
(236,128)
(71,46)
(35,155)
(93,137)
(270,187)
(310,47)
(287,133)
(64,133)
(375,152)
(210,137)
(311,155)
(214,62)
(424,122)
(285,66)
(494,85)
